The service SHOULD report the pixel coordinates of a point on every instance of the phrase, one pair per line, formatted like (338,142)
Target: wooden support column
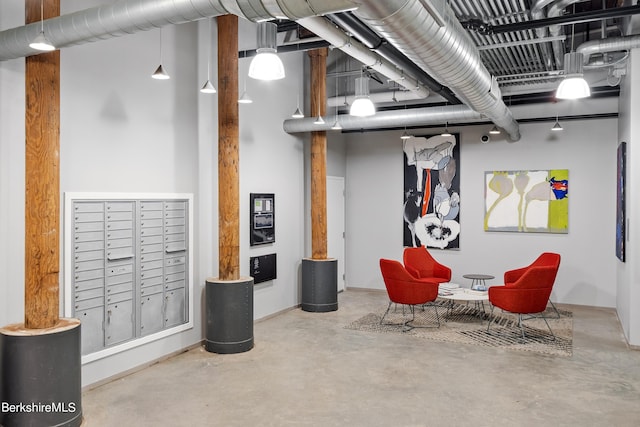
(40,359)
(42,199)
(229,297)
(319,273)
(318,155)
(228,152)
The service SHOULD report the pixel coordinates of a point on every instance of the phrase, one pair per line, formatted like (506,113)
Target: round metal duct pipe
(429,33)
(385,119)
(132,16)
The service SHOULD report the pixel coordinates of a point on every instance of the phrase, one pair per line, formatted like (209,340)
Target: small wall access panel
(262,268)
(262,218)
(127,269)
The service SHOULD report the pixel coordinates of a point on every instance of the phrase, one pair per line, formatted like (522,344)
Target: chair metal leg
(385,313)
(405,325)
(490,319)
(552,334)
(555,309)
(521,326)
(435,307)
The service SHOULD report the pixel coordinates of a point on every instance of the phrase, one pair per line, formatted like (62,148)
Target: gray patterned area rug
(467,324)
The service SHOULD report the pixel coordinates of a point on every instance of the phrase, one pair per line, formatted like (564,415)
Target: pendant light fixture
(160,74)
(208,86)
(245,98)
(41,42)
(362,105)
(336,123)
(266,65)
(446,132)
(557,127)
(404,135)
(494,131)
(574,86)
(297,114)
(319,120)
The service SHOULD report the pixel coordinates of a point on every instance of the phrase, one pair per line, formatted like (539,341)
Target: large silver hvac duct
(132,16)
(387,119)
(428,32)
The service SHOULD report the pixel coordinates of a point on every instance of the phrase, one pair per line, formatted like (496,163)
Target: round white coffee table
(463,294)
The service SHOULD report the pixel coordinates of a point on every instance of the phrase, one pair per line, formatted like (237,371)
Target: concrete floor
(307,370)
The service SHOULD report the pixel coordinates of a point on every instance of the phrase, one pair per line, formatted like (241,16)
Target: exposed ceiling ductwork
(132,16)
(440,45)
(613,44)
(388,119)
(328,31)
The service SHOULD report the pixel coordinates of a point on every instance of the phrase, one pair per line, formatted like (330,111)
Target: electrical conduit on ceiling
(132,16)
(443,49)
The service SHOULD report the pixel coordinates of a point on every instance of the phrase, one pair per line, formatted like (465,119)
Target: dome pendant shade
(574,86)
(266,65)
(362,105)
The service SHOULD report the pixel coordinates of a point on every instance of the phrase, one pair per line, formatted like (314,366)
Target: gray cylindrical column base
(319,285)
(229,307)
(41,375)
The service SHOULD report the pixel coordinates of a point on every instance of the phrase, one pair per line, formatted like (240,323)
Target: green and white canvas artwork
(527,201)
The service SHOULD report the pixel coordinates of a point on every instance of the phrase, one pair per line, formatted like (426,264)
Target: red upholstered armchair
(548,259)
(528,294)
(405,289)
(420,263)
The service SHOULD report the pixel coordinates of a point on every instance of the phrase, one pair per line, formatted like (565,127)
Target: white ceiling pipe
(385,119)
(338,38)
(132,16)
(436,41)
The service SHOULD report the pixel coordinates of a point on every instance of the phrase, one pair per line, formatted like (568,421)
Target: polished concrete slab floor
(306,369)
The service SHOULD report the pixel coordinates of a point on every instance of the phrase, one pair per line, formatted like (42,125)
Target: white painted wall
(272,161)
(628,273)
(586,148)
(122,131)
